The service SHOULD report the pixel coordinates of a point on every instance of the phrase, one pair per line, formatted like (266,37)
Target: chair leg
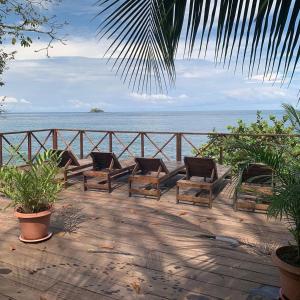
(65,179)
(177,194)
(210,198)
(84,183)
(158,191)
(235,206)
(129,188)
(109,184)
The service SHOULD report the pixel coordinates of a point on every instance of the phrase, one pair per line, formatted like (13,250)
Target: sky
(76,78)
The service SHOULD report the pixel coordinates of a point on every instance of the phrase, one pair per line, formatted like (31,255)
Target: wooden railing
(168,145)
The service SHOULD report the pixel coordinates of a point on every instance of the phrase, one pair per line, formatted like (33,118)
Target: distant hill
(96,110)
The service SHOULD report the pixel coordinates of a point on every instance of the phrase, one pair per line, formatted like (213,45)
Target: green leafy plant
(285,199)
(34,188)
(262,132)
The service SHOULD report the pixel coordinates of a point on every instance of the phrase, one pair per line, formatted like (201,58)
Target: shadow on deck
(109,246)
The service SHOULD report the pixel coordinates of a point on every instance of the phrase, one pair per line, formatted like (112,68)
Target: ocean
(146,121)
(199,121)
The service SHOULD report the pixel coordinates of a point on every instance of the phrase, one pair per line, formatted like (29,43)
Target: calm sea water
(146,121)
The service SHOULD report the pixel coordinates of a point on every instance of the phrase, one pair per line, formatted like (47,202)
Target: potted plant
(284,205)
(32,190)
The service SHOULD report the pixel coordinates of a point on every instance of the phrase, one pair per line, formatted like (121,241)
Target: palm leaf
(144,36)
(293,115)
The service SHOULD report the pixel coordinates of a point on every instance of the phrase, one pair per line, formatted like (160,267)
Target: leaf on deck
(155,223)
(107,246)
(61,233)
(182,213)
(136,286)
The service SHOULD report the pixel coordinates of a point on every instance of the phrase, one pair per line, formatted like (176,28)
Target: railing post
(29,146)
(221,157)
(110,145)
(1,151)
(54,138)
(142,144)
(178,146)
(81,144)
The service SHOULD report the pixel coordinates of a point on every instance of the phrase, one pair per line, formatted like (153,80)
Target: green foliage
(293,115)
(2,105)
(285,200)
(35,187)
(21,21)
(233,156)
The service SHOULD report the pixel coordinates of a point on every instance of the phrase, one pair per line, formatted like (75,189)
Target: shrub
(233,155)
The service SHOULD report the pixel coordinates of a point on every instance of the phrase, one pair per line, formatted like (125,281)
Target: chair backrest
(103,160)
(257,173)
(147,165)
(201,167)
(65,156)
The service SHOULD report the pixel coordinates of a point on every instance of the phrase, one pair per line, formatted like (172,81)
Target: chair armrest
(78,168)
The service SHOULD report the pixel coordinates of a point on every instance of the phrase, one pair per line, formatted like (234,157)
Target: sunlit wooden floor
(115,247)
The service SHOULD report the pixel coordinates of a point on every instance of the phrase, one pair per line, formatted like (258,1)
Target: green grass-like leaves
(35,187)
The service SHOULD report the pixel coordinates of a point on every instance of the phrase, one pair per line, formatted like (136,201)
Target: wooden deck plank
(162,285)
(171,264)
(187,247)
(239,224)
(138,248)
(155,262)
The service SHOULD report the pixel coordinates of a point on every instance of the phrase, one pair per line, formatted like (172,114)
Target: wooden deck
(115,247)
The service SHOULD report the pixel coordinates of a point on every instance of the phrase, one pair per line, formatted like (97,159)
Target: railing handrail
(55,138)
(155,132)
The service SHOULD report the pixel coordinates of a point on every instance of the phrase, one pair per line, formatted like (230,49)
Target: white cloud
(269,78)
(13,100)
(73,48)
(24,101)
(76,47)
(6,100)
(79,104)
(146,97)
(257,93)
(201,73)
(157,98)
(183,96)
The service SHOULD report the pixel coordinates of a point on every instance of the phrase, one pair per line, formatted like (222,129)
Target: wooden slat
(191,198)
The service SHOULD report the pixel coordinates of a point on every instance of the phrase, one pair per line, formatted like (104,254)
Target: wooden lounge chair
(106,167)
(254,184)
(152,172)
(71,165)
(201,174)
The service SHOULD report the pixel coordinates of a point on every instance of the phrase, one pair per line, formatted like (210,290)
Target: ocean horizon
(183,121)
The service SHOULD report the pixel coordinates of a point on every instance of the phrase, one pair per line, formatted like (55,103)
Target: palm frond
(293,115)
(144,36)
(143,39)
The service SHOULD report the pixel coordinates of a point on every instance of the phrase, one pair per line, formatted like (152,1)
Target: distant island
(96,110)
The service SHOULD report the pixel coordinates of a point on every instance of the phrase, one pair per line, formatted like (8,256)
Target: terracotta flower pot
(34,227)
(289,275)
